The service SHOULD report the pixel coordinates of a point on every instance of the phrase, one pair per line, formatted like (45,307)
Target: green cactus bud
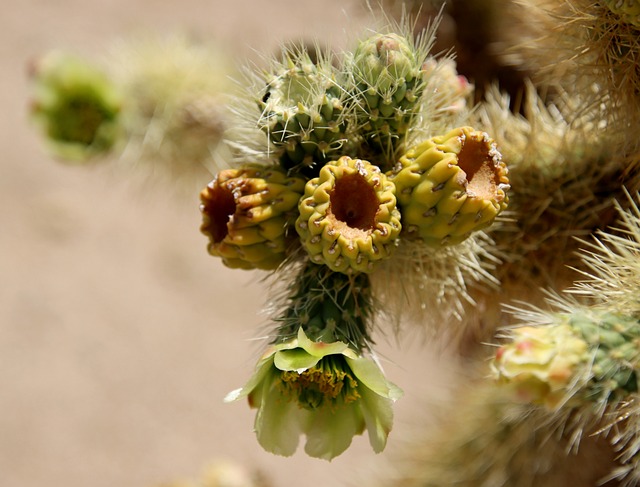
(389,82)
(76,106)
(348,216)
(450,186)
(628,10)
(247,213)
(303,112)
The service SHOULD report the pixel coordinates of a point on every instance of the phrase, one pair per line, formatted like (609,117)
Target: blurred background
(119,334)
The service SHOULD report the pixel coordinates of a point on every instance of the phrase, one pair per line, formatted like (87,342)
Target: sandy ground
(119,335)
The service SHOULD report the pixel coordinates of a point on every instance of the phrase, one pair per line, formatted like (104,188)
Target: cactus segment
(303,113)
(348,216)
(389,82)
(247,214)
(450,186)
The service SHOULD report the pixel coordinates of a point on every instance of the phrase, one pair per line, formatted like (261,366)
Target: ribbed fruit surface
(348,216)
(247,213)
(450,186)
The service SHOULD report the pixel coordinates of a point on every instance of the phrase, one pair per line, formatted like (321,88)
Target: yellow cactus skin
(628,10)
(246,214)
(348,216)
(450,186)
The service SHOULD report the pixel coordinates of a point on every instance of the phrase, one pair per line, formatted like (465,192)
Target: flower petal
(369,374)
(378,417)
(278,422)
(330,431)
(320,349)
(297,359)
(262,370)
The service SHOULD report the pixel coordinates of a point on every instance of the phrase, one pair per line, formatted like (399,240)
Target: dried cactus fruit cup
(247,214)
(450,186)
(348,216)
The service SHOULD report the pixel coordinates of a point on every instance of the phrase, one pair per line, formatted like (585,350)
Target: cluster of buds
(330,172)
(328,199)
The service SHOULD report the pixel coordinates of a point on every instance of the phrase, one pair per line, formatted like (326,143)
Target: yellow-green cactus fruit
(628,10)
(247,213)
(450,186)
(348,216)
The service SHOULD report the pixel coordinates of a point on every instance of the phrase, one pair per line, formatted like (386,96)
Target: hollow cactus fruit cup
(450,186)
(348,216)
(247,214)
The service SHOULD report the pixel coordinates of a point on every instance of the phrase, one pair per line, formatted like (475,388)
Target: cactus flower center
(476,159)
(321,384)
(354,205)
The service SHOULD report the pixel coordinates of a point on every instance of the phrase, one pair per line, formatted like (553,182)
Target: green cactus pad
(247,213)
(348,216)
(450,186)
(303,113)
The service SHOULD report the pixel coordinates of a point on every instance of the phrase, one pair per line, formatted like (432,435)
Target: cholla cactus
(348,216)
(247,214)
(77,107)
(389,82)
(583,361)
(310,195)
(450,186)
(305,112)
(324,390)
(577,358)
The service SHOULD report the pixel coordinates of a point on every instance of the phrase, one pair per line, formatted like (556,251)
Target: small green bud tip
(385,61)
(75,106)
(246,213)
(348,216)
(326,391)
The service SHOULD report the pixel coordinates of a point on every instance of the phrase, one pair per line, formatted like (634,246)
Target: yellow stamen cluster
(318,384)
